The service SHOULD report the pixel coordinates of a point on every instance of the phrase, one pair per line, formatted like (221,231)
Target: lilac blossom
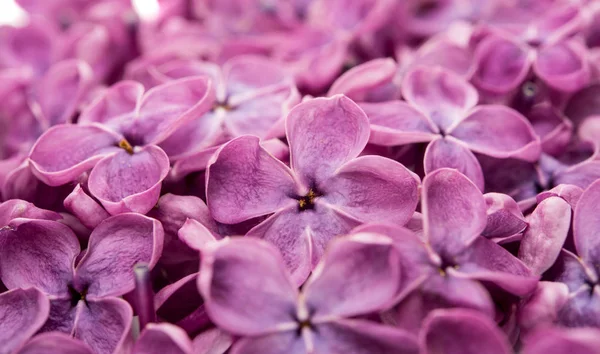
(23,313)
(83,288)
(327,191)
(279,319)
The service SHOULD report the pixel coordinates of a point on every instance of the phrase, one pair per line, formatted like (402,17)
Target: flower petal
(359,274)
(460,331)
(86,209)
(212,341)
(372,188)
(581,175)
(104,325)
(115,246)
(14,208)
(245,181)
(362,337)
(453,210)
(443,96)
(362,81)
(397,123)
(498,131)
(23,312)
(504,218)
(115,107)
(582,309)
(64,152)
(245,286)
(166,107)
(127,182)
(548,229)
(38,253)
(323,134)
(275,343)
(445,152)
(560,340)
(563,66)
(162,338)
(55,342)
(542,307)
(586,225)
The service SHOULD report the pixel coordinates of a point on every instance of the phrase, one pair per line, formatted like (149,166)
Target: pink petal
(443,96)
(359,274)
(274,343)
(212,341)
(86,209)
(245,181)
(104,325)
(323,134)
(548,229)
(498,131)
(460,331)
(552,126)
(162,338)
(55,342)
(372,188)
(560,340)
(397,123)
(127,182)
(542,307)
(23,312)
(115,246)
(246,73)
(64,152)
(246,288)
(586,224)
(14,208)
(446,152)
(360,82)
(38,253)
(563,66)
(581,175)
(453,210)
(195,235)
(504,217)
(115,107)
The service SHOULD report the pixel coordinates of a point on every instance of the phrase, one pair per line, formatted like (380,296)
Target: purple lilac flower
(23,313)
(327,191)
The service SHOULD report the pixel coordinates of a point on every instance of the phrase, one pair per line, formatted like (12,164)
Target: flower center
(125,145)
(77,296)
(308,201)
(445,264)
(224,105)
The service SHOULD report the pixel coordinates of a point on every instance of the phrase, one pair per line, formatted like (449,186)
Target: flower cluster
(300,177)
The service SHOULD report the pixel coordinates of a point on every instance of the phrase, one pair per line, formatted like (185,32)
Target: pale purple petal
(115,246)
(246,288)
(115,107)
(64,152)
(581,175)
(559,340)
(55,342)
(461,331)
(563,66)
(504,218)
(586,225)
(162,338)
(15,208)
(447,153)
(127,182)
(195,235)
(548,229)
(212,341)
(542,307)
(582,309)
(23,312)
(360,82)
(323,134)
(553,127)
(85,208)
(275,343)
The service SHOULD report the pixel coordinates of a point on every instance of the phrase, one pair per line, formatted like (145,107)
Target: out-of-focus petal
(55,342)
(212,341)
(359,82)
(274,343)
(563,66)
(542,307)
(162,338)
(586,225)
(560,340)
(447,153)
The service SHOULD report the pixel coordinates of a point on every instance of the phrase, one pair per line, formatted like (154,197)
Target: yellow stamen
(124,144)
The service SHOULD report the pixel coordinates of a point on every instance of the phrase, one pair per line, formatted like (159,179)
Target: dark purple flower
(327,191)
(358,275)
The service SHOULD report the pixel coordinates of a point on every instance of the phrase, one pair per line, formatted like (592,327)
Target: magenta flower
(23,313)
(442,110)
(452,257)
(327,191)
(359,275)
(116,137)
(83,290)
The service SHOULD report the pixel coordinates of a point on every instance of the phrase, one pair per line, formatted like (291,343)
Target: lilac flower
(54,342)
(167,338)
(327,191)
(82,290)
(452,257)
(116,136)
(359,275)
(23,312)
(441,110)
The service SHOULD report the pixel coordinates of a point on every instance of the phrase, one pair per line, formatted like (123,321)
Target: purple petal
(581,175)
(115,107)
(127,182)
(372,188)
(442,95)
(553,127)
(504,218)
(559,340)
(23,312)
(38,253)
(245,181)
(246,288)
(568,192)
(196,235)
(461,331)
(64,152)
(55,342)
(359,274)
(502,64)
(362,337)
(397,123)
(247,73)
(212,341)
(86,209)
(453,210)
(563,66)
(446,152)
(274,343)
(542,307)
(104,325)
(115,246)
(548,229)
(162,338)
(498,131)
(167,107)
(360,82)
(582,309)
(323,134)
(586,225)
(14,208)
